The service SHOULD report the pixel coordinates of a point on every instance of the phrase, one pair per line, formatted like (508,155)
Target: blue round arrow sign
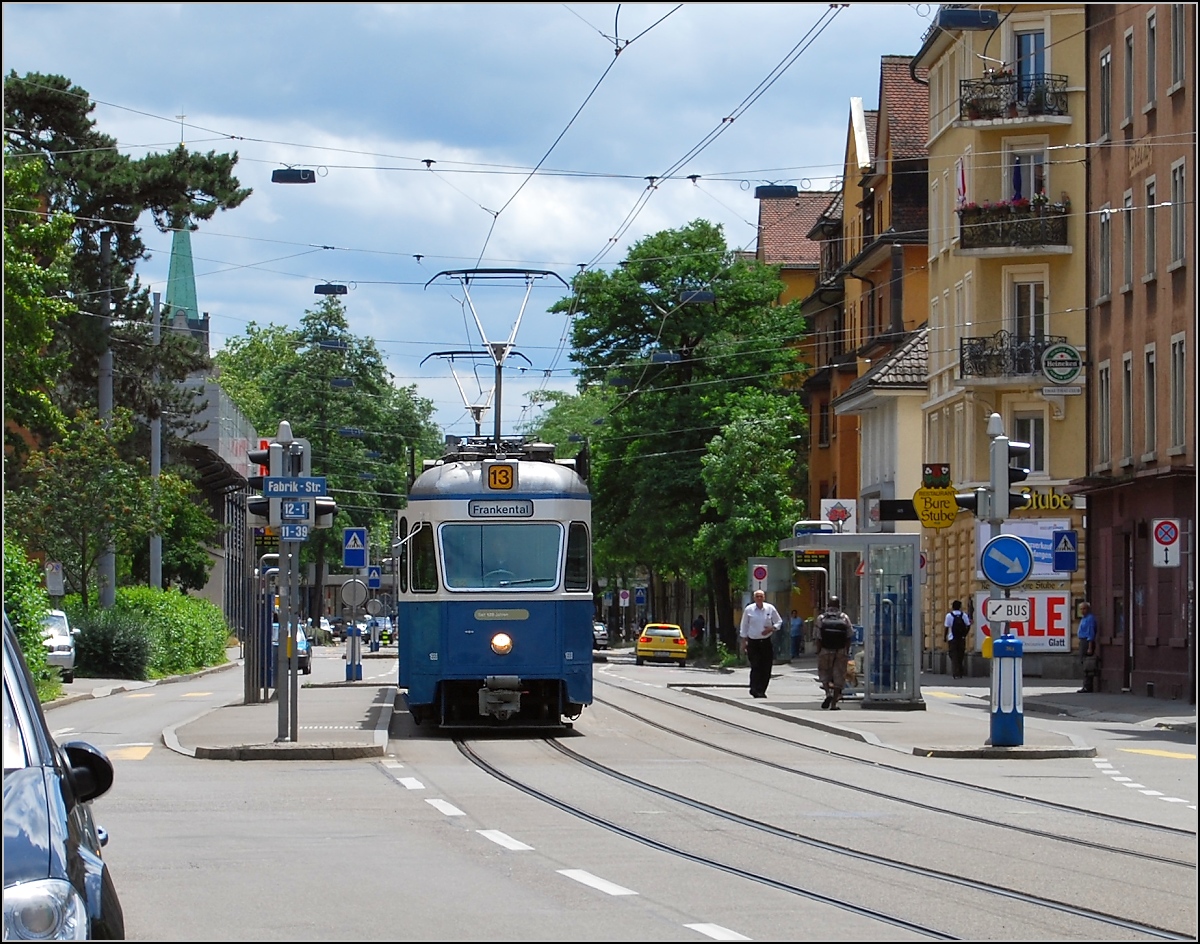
(1006,561)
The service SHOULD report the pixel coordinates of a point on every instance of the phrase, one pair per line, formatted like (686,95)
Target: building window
(1127,408)
(1104,254)
(1151,222)
(1031,428)
(1029,307)
(1150,385)
(823,424)
(1178,390)
(1178,212)
(1031,60)
(1106,90)
(1032,166)
(1151,57)
(1104,414)
(1129,76)
(1178,40)
(1127,241)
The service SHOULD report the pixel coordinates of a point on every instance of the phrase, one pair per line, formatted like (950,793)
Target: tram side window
(402,557)
(424,560)
(579,567)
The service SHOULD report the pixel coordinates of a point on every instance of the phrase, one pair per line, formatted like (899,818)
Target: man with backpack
(958,624)
(834,634)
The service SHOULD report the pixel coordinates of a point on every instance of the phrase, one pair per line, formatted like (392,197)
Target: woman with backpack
(958,624)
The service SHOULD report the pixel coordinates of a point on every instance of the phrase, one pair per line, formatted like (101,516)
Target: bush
(111,644)
(181,634)
(26,604)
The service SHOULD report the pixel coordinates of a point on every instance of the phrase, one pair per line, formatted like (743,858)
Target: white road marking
(448,808)
(410,783)
(1105,767)
(587,878)
(503,839)
(718,933)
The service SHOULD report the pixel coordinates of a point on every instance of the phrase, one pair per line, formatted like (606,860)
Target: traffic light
(269,458)
(324,513)
(1005,474)
(978,502)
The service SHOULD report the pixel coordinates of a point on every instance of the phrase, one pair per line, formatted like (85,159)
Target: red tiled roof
(906,104)
(783,227)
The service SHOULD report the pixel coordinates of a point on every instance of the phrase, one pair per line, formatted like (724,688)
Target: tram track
(957,813)
(987,889)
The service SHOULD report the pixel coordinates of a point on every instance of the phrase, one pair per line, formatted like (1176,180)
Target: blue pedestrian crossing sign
(1066,551)
(1007,560)
(374,577)
(354,547)
(639,596)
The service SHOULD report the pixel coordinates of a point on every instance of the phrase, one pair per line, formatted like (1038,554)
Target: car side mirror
(90,771)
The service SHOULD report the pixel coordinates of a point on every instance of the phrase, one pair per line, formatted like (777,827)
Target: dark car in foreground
(56,884)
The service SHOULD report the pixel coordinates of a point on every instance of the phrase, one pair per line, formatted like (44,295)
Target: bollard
(1008,718)
(353,653)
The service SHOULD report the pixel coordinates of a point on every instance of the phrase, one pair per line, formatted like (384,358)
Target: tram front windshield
(499,556)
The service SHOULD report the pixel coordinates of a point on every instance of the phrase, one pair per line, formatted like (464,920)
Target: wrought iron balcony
(1001,94)
(1003,354)
(1019,223)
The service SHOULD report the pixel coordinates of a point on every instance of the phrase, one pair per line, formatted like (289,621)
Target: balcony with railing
(1009,224)
(1004,354)
(1001,94)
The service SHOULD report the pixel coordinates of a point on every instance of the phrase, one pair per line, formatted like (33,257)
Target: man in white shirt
(759,621)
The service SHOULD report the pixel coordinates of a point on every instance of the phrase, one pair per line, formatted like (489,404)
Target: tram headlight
(502,644)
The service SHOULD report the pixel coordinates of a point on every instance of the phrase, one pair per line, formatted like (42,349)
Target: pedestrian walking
(797,629)
(1087,647)
(698,629)
(834,634)
(759,621)
(958,624)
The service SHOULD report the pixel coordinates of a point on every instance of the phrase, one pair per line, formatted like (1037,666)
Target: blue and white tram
(494,588)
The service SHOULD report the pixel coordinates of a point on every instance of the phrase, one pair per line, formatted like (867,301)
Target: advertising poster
(1038,533)
(1049,626)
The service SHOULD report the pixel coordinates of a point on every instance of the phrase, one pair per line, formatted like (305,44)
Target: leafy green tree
(364,430)
(36,250)
(47,120)
(83,496)
(26,604)
(682,367)
(188,530)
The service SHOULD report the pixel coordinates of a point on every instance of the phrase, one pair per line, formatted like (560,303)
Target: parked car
(57,886)
(60,643)
(599,636)
(661,642)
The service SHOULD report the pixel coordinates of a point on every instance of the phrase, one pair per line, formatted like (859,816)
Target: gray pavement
(346,720)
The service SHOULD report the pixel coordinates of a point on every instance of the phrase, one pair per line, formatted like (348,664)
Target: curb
(134,686)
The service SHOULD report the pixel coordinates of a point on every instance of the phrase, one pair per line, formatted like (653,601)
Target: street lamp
(293,175)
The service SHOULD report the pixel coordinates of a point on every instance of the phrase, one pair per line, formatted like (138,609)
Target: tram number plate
(501,476)
(1010,610)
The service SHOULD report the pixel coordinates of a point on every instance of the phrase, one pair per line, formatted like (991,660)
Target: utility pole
(107,568)
(156,454)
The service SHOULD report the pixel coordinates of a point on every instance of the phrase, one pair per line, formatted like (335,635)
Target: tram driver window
(402,557)
(578,566)
(424,560)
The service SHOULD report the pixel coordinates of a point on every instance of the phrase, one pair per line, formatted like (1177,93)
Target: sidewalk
(346,720)
(952,717)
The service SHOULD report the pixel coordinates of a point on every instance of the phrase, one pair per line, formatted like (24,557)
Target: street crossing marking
(448,808)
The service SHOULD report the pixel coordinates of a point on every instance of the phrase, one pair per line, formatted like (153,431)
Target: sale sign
(1048,628)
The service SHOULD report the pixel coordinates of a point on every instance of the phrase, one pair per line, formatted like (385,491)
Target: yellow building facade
(1007,306)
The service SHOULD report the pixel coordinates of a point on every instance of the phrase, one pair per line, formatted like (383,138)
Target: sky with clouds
(597,97)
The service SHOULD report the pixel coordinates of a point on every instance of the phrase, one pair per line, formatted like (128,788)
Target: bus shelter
(890,601)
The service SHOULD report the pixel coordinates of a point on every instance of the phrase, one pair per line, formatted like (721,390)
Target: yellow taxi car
(661,642)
